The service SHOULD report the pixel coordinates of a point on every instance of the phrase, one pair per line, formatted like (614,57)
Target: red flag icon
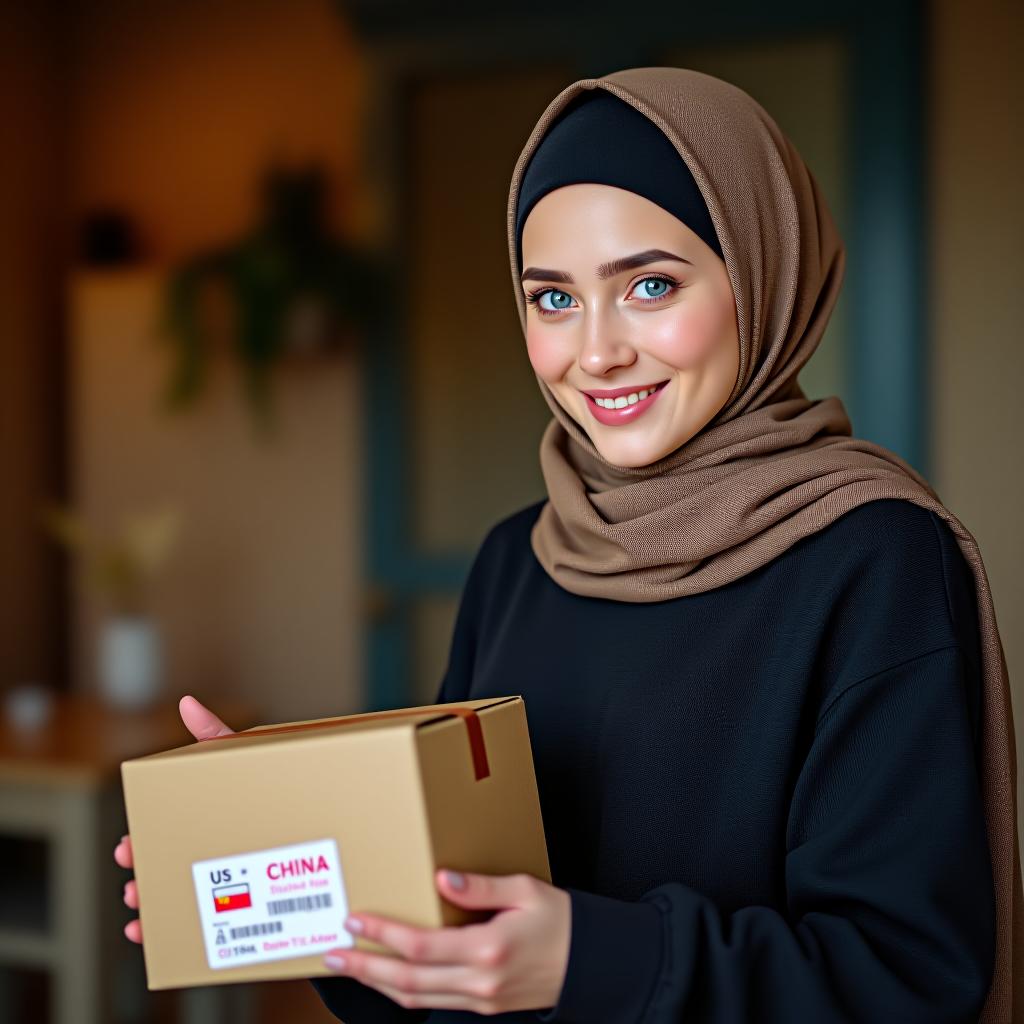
(231,897)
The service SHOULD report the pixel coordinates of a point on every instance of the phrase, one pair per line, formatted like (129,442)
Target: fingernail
(334,962)
(456,879)
(124,837)
(353,924)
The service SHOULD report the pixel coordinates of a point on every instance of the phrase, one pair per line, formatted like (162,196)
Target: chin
(630,457)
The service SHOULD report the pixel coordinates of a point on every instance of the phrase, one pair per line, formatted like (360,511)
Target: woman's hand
(204,725)
(515,961)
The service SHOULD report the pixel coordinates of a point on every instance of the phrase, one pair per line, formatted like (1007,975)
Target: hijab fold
(773,466)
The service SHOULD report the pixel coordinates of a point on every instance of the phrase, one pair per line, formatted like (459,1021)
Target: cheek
(549,357)
(693,335)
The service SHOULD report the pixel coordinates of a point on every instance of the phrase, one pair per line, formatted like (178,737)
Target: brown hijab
(772,466)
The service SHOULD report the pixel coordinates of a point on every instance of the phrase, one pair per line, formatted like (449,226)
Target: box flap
(397,718)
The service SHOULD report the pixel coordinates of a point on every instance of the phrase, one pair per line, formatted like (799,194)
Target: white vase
(130,662)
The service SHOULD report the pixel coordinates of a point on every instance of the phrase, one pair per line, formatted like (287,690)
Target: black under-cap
(601,139)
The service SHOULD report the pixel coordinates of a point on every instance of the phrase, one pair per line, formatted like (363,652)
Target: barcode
(297,903)
(256,929)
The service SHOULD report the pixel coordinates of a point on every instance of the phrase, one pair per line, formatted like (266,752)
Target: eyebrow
(605,270)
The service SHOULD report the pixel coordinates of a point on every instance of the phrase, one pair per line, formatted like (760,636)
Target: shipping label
(272,904)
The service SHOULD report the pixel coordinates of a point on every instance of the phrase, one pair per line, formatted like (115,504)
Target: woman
(767,697)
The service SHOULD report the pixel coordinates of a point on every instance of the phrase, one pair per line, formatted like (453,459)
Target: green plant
(287,266)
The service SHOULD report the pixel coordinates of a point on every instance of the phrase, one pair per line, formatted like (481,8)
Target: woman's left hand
(515,961)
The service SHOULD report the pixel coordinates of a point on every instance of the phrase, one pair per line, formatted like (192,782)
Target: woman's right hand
(204,725)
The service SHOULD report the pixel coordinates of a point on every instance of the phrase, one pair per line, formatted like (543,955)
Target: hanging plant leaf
(287,260)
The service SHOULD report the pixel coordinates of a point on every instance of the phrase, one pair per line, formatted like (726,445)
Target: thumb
(201,721)
(485,891)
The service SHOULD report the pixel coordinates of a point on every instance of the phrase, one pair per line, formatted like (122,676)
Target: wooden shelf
(60,790)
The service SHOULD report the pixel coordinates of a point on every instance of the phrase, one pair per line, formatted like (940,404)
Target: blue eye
(653,287)
(559,300)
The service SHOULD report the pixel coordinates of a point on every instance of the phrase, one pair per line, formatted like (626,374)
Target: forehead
(591,216)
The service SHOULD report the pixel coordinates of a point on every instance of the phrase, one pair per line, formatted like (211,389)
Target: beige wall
(976,227)
(178,103)
(176,106)
(32,621)
(261,598)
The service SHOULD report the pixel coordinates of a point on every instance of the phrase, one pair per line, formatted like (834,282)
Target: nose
(604,348)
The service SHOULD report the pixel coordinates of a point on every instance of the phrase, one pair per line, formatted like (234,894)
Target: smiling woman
(767,699)
(600,214)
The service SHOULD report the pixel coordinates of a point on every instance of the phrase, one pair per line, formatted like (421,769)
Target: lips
(627,414)
(617,392)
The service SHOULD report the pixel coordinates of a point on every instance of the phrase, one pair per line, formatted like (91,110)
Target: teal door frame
(885,367)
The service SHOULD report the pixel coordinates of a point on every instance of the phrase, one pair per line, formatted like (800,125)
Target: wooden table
(60,784)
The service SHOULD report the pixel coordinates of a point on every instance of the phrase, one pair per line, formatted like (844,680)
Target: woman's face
(627,305)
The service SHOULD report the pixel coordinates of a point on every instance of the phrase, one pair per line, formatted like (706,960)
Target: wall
(178,103)
(261,600)
(976,224)
(176,108)
(32,619)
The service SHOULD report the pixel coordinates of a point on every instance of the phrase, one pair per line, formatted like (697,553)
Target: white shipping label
(272,904)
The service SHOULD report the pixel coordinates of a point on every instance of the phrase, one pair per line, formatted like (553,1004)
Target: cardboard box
(251,849)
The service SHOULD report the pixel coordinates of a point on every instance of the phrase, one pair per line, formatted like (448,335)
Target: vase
(130,662)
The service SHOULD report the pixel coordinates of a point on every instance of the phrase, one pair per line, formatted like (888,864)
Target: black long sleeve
(879,923)
(764,800)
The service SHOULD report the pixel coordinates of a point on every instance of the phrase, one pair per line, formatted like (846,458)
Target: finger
(123,852)
(487,891)
(133,929)
(429,1000)
(131,894)
(200,720)
(457,945)
(438,983)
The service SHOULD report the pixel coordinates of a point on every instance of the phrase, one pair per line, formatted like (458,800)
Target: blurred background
(258,348)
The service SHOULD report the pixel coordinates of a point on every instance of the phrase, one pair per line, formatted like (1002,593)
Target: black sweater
(764,800)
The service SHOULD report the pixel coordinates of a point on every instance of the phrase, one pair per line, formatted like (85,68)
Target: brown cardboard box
(250,849)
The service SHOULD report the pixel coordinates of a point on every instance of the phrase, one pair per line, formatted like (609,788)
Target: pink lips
(619,417)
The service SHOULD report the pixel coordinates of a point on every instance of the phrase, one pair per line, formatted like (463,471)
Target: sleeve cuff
(615,954)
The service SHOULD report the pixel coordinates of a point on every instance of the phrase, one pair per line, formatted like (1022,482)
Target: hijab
(772,466)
